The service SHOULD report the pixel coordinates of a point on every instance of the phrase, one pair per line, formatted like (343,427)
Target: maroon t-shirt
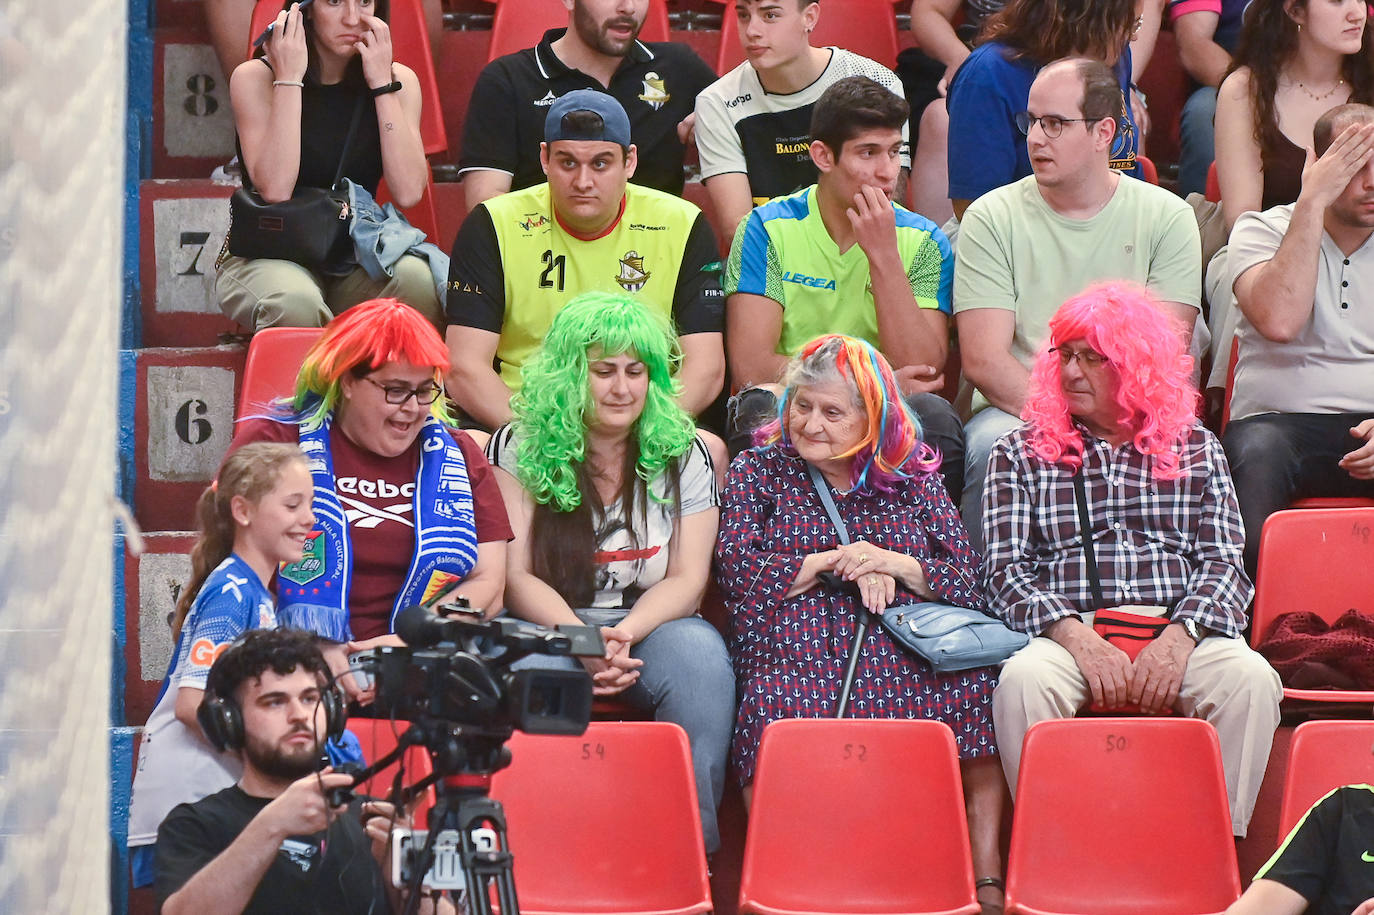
(377,495)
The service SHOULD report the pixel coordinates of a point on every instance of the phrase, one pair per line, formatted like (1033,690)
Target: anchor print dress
(790,654)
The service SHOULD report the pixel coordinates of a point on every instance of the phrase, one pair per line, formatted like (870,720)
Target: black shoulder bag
(304,229)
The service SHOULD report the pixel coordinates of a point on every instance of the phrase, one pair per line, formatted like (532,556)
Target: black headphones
(222,720)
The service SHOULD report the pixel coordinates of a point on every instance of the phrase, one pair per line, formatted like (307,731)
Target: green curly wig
(551,407)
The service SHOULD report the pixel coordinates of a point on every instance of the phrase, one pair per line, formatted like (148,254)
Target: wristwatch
(1195,632)
(393,86)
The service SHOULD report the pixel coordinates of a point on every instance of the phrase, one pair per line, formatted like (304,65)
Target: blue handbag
(946,637)
(952,638)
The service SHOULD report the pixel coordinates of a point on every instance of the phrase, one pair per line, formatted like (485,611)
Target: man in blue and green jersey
(841,257)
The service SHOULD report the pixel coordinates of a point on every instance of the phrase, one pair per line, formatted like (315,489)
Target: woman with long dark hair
(1296,60)
(326,72)
(612,496)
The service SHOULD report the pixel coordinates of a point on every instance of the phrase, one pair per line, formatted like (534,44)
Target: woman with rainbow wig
(612,495)
(406,506)
(791,631)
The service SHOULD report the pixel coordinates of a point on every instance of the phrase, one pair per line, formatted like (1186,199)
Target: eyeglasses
(1052,124)
(1088,358)
(398,394)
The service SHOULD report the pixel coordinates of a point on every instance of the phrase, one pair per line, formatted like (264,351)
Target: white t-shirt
(626,565)
(741,127)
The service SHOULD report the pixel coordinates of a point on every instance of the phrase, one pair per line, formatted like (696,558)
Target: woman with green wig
(612,497)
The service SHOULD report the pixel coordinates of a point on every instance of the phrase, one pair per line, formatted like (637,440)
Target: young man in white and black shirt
(753,124)
(655,82)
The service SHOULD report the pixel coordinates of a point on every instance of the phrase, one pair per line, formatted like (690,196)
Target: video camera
(456,669)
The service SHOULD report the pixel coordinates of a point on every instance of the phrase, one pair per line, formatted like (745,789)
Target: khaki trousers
(264,292)
(1225,683)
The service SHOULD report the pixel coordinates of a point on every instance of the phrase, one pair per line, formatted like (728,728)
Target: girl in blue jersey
(256,515)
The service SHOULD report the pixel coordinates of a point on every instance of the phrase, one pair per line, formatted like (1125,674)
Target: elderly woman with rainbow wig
(1111,411)
(406,505)
(791,631)
(612,495)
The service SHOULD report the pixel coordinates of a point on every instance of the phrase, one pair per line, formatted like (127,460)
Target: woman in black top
(293,104)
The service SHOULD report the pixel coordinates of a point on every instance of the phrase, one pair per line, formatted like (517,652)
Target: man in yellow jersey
(519,257)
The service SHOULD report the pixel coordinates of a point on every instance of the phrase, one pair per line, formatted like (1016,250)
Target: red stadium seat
(378,737)
(857,816)
(1314,559)
(1121,816)
(410,44)
(867,27)
(520,24)
(1213,184)
(1148,172)
(274,359)
(423,215)
(606,822)
(1324,755)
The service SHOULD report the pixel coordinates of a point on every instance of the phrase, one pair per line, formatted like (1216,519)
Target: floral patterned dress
(790,654)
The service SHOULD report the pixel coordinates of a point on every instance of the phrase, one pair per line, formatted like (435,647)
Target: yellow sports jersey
(514,266)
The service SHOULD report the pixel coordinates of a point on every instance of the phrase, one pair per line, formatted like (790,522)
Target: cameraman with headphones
(272,843)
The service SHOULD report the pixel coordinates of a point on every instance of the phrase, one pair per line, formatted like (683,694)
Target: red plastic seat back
(1324,755)
(866,27)
(423,215)
(1315,559)
(606,822)
(520,24)
(410,46)
(1121,816)
(1148,172)
(379,737)
(1213,192)
(274,360)
(857,816)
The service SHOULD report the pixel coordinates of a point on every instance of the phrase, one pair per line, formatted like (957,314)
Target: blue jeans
(1196,140)
(980,433)
(687,680)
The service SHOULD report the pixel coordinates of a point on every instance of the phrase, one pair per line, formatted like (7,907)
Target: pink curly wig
(1146,349)
(892,446)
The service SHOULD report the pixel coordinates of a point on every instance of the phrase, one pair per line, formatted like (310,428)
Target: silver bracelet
(288,82)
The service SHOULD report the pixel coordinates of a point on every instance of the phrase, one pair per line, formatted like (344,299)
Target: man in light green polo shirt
(1027,247)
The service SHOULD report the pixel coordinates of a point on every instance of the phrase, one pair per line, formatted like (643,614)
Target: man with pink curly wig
(1110,413)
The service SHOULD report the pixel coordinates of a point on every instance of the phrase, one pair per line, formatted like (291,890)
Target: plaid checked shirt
(1173,543)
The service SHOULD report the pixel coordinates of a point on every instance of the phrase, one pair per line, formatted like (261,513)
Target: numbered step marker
(182,427)
(182,224)
(192,120)
(153,583)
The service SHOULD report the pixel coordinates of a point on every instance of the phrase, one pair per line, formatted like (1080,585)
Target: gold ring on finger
(863,557)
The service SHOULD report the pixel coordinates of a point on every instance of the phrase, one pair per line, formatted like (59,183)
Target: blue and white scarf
(312,593)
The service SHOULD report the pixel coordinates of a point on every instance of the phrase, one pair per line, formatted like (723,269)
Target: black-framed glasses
(1052,124)
(1088,358)
(398,394)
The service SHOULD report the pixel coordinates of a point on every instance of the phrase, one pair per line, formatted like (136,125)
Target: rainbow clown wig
(360,341)
(1147,351)
(552,405)
(891,448)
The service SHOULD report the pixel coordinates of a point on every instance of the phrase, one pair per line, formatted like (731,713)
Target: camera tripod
(466,819)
